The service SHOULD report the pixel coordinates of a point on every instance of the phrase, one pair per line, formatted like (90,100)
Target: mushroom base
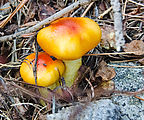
(71,72)
(47,94)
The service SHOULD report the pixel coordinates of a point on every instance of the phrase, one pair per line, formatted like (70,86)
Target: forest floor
(122,25)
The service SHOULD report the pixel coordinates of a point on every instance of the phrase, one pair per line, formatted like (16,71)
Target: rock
(118,107)
(97,110)
(129,79)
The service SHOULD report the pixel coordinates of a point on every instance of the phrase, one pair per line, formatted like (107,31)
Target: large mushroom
(69,39)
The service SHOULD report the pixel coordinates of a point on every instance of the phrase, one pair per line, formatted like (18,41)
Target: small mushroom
(69,39)
(48,70)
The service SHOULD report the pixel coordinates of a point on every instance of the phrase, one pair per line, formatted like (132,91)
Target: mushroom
(49,71)
(69,39)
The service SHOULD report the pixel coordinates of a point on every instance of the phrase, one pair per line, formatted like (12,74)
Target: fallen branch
(46,21)
(118,24)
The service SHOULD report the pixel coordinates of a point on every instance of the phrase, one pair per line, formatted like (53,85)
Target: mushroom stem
(71,72)
(47,94)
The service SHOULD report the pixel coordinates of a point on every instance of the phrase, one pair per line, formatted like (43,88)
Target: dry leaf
(45,11)
(108,37)
(106,73)
(136,46)
(31,13)
(3,59)
(102,6)
(11,29)
(104,90)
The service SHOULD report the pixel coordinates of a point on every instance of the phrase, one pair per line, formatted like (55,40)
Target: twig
(124,8)
(35,64)
(11,66)
(29,24)
(92,88)
(46,21)
(135,16)
(75,12)
(19,104)
(28,35)
(136,3)
(129,93)
(85,12)
(118,24)
(35,118)
(104,13)
(139,98)
(17,50)
(53,104)
(4,8)
(4,22)
(14,53)
(117,53)
(124,61)
(126,66)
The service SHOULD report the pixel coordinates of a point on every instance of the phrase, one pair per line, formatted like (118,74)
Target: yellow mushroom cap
(48,70)
(69,38)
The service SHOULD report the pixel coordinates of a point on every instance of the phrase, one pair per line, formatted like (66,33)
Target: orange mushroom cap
(69,38)
(48,70)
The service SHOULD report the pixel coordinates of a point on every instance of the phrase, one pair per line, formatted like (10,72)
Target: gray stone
(118,107)
(129,79)
(97,110)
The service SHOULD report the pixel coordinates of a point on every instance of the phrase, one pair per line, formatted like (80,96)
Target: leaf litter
(19,100)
